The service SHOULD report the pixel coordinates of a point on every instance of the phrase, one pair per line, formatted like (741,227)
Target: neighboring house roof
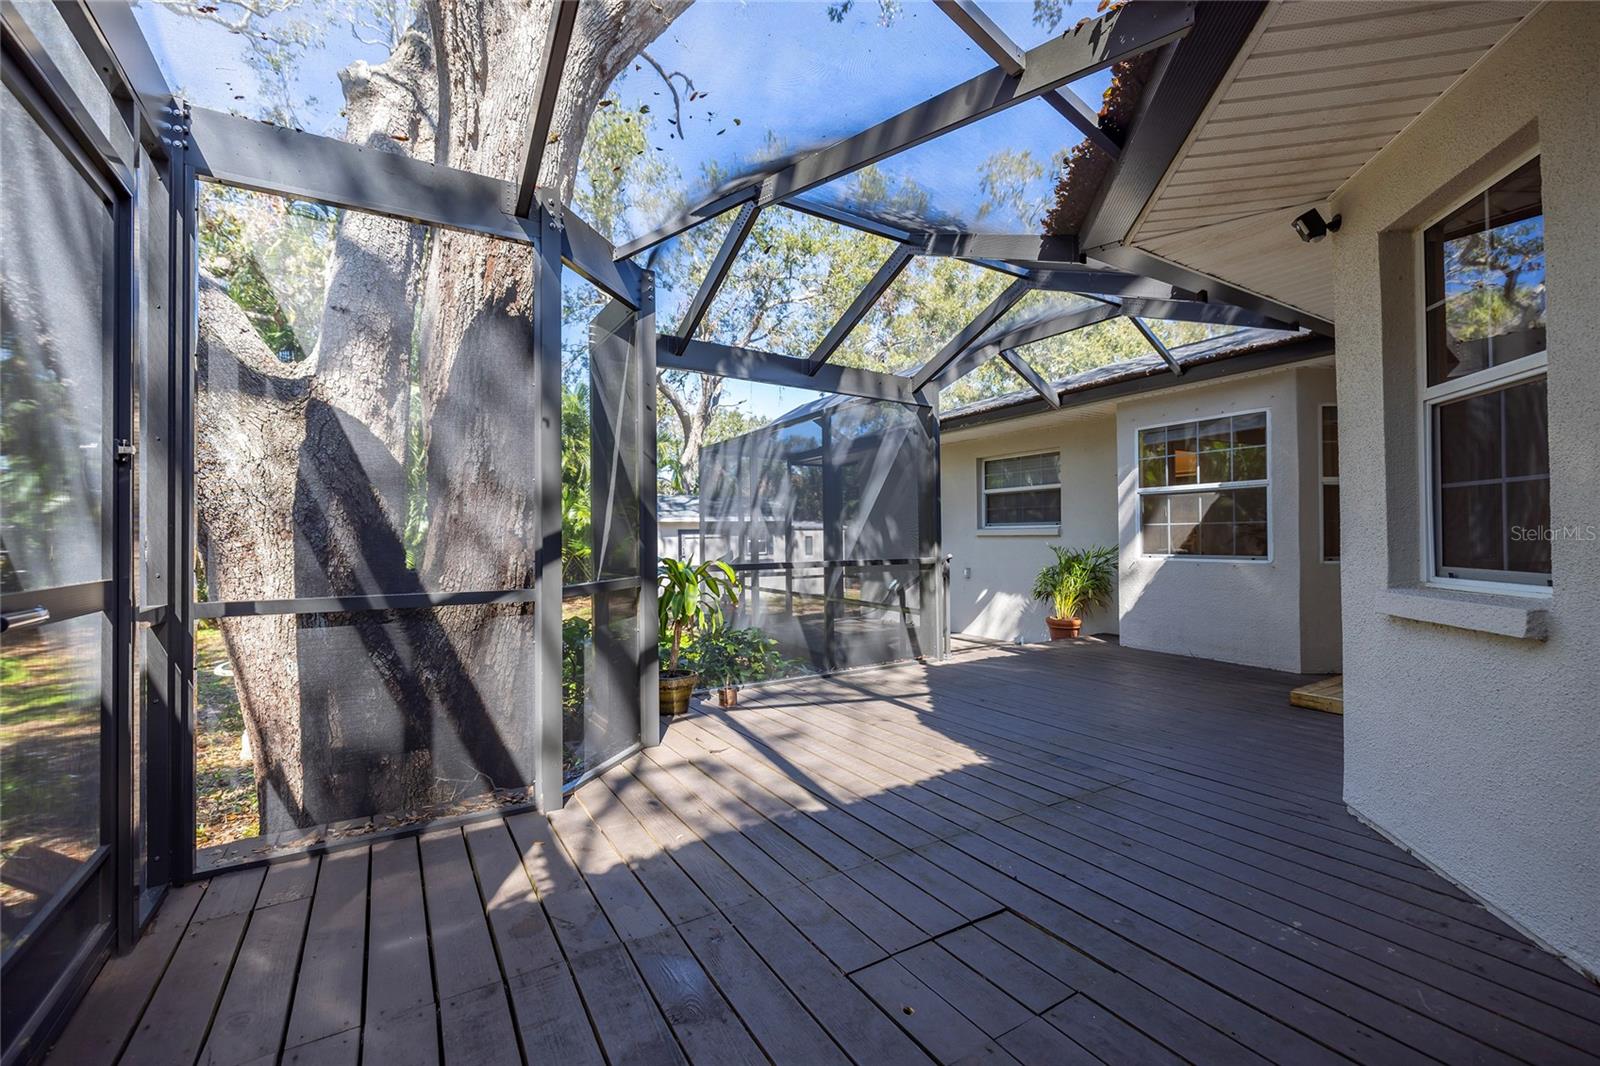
(678,509)
(1245,349)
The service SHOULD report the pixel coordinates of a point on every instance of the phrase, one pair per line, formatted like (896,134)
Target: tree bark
(302,470)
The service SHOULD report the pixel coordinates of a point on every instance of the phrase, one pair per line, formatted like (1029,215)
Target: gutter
(1155,378)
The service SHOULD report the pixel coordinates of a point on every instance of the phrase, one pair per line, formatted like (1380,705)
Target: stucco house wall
(1321,641)
(1239,611)
(1283,613)
(992,571)
(1479,752)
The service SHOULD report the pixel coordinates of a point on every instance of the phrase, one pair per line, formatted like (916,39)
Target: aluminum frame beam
(685,220)
(737,234)
(1031,250)
(1055,325)
(972,358)
(843,217)
(1009,56)
(1027,373)
(1087,47)
(891,269)
(936,366)
(1091,281)
(750,364)
(110,37)
(1138,261)
(548,576)
(268,158)
(1184,81)
(1201,311)
(1090,46)
(1155,342)
(547,89)
(271,159)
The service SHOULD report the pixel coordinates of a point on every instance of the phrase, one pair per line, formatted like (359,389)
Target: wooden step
(1325,695)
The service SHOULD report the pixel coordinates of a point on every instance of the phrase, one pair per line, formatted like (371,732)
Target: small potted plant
(728,658)
(691,601)
(1078,581)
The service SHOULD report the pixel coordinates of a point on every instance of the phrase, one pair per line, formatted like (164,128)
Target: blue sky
(775,65)
(779,66)
(782,66)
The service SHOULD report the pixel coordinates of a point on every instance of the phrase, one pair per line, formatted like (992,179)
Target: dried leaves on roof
(1087,165)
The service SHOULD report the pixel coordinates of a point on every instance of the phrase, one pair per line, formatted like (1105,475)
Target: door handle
(28,616)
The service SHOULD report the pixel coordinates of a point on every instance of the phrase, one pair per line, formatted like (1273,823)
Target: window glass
(1485,279)
(1202,487)
(1490,435)
(1493,470)
(1022,471)
(1330,441)
(1024,490)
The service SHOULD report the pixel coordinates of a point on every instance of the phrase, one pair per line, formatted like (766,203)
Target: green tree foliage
(1501,277)
(576,481)
(271,254)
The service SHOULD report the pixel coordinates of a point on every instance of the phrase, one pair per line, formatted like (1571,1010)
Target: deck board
(1046,855)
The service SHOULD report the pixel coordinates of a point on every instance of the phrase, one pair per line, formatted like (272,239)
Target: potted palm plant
(1078,581)
(691,600)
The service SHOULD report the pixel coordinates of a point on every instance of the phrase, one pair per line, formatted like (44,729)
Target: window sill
(1517,617)
(1020,531)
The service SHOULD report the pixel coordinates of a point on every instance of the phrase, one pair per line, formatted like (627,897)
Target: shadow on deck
(1040,855)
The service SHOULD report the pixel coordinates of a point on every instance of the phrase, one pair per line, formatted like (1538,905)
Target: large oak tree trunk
(302,470)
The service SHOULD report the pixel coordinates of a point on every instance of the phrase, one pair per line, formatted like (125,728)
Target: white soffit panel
(1323,86)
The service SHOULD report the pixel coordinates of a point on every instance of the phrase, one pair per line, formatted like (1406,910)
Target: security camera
(1311,227)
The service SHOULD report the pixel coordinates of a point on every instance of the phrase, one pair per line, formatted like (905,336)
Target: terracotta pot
(1064,628)
(727,695)
(675,692)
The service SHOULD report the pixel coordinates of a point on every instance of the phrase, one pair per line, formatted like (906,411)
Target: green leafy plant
(575,634)
(691,600)
(1078,581)
(728,656)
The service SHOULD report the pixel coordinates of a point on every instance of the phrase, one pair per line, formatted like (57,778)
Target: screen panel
(362,388)
(829,516)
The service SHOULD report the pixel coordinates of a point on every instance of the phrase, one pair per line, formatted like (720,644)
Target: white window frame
(1212,486)
(1491,379)
(1035,529)
(1324,479)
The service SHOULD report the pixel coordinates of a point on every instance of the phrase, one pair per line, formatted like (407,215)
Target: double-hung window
(1022,491)
(1484,399)
(1203,488)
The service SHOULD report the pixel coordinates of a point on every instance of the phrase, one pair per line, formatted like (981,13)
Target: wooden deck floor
(1062,855)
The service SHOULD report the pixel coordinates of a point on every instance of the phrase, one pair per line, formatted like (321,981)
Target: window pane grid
(1023,490)
(1203,488)
(1492,482)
